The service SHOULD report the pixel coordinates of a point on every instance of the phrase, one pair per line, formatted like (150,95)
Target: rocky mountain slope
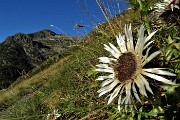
(22,52)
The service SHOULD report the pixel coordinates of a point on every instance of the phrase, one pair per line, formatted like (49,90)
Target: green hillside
(66,82)
(64,85)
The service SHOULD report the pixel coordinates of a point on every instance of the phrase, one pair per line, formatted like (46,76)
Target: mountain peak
(22,52)
(42,34)
(21,36)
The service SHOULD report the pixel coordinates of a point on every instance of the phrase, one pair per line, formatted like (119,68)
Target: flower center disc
(126,66)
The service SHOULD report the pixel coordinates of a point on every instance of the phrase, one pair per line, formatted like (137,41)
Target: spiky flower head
(125,75)
(172,4)
(166,5)
(53,116)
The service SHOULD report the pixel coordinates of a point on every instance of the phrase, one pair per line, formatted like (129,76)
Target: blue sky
(27,16)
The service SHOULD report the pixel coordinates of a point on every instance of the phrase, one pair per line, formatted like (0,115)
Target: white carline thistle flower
(53,116)
(172,4)
(126,68)
(165,5)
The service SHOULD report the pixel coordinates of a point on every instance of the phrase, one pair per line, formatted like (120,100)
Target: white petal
(158,78)
(105,70)
(140,42)
(108,49)
(140,85)
(100,78)
(149,37)
(146,55)
(135,93)
(140,49)
(106,59)
(103,66)
(121,43)
(129,38)
(141,31)
(105,77)
(147,45)
(122,102)
(128,89)
(160,72)
(115,54)
(140,38)
(106,82)
(146,83)
(106,89)
(119,103)
(130,104)
(115,49)
(153,55)
(176,6)
(128,93)
(119,100)
(115,93)
(172,6)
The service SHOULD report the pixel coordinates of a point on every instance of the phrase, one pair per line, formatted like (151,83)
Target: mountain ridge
(23,52)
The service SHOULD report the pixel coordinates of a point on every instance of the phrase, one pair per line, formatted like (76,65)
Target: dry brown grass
(40,77)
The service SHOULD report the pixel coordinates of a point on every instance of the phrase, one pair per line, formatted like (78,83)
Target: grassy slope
(64,86)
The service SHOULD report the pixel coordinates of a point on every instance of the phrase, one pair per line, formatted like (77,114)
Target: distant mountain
(22,52)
